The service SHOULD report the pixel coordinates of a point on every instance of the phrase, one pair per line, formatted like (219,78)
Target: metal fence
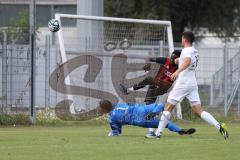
(15,79)
(218,76)
(225,89)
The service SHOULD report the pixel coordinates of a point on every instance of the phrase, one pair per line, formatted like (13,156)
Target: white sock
(210,119)
(163,122)
(130,89)
(150,129)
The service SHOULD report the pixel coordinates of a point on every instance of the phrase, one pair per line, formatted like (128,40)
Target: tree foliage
(217,16)
(18,31)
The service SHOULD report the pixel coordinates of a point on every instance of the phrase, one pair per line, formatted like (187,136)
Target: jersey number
(195,63)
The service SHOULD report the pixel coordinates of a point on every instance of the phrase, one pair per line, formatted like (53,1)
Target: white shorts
(177,94)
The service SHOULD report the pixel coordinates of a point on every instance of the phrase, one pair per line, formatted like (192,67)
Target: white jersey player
(186,86)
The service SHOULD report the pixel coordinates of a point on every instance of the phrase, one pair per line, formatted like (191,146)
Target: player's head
(105,106)
(175,54)
(187,38)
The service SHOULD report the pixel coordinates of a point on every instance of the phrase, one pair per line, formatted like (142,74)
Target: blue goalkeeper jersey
(135,114)
(125,114)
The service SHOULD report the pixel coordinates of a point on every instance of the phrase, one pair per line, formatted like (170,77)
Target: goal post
(105,37)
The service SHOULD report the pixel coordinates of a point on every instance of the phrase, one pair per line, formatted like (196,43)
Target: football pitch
(91,143)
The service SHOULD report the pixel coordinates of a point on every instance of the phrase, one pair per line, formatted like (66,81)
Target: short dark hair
(177,53)
(106,106)
(189,36)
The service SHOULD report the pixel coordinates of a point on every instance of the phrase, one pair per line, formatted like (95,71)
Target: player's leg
(194,99)
(141,84)
(165,118)
(221,127)
(175,128)
(153,92)
(151,96)
(175,96)
(206,116)
(147,81)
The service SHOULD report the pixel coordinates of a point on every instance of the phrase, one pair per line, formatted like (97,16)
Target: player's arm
(186,63)
(116,129)
(156,111)
(160,60)
(115,123)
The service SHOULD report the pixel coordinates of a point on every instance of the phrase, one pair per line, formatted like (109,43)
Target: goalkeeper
(159,84)
(137,115)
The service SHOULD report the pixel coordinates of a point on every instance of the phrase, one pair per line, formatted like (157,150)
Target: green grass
(91,143)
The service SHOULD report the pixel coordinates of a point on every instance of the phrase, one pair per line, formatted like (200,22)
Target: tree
(18,30)
(218,16)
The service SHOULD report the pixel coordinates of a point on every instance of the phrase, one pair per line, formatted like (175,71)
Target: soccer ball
(53,25)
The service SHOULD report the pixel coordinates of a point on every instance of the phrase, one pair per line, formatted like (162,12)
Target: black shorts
(161,87)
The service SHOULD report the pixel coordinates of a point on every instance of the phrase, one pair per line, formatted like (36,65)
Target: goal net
(99,53)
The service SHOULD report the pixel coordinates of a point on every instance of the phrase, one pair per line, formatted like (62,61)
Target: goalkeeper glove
(150,116)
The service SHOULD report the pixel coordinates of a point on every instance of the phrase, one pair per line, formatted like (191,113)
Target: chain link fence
(15,75)
(218,72)
(218,76)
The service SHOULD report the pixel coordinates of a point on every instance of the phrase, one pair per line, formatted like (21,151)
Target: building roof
(40,2)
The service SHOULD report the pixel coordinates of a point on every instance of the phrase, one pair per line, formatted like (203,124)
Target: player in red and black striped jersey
(159,84)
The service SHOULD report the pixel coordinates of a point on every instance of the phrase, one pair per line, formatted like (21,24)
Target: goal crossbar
(98,18)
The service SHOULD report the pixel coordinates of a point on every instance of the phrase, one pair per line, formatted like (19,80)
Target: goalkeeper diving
(137,115)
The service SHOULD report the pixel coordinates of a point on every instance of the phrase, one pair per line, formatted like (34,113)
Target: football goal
(99,53)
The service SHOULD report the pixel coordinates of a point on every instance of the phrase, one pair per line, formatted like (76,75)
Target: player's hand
(147,67)
(174,76)
(150,116)
(176,60)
